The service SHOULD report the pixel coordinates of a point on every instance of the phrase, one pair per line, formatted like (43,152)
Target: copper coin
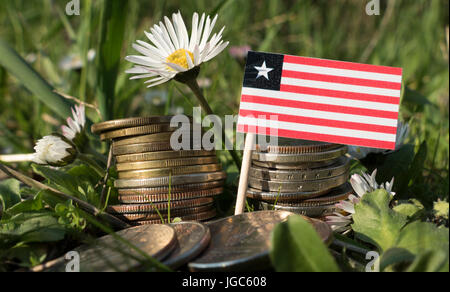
(141,148)
(140,199)
(107,254)
(242,242)
(150,138)
(135,131)
(299,158)
(174,180)
(129,123)
(164,190)
(166,163)
(303,199)
(334,170)
(161,172)
(153,208)
(165,214)
(150,156)
(193,238)
(295,186)
(204,216)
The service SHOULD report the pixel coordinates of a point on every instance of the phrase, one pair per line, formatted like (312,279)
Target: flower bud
(55,150)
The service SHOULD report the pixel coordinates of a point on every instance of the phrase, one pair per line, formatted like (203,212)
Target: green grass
(414,36)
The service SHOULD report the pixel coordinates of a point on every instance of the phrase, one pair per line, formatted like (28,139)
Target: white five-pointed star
(263,71)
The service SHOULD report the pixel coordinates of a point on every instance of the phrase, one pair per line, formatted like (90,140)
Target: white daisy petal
(194,29)
(205,34)
(217,51)
(200,28)
(189,61)
(176,67)
(157,54)
(158,83)
(196,55)
(166,36)
(172,32)
(204,53)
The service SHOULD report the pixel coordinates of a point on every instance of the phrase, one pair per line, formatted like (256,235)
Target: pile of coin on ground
(156,182)
(302,177)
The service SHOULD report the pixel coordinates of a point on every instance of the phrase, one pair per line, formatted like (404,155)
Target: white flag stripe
(320,99)
(342,72)
(317,129)
(340,87)
(273,109)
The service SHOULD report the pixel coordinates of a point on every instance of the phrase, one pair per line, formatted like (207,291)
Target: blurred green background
(83,56)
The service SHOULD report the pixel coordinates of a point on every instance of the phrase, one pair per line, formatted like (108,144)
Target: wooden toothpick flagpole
(243,180)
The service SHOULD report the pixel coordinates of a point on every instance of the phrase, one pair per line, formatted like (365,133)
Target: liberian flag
(320,100)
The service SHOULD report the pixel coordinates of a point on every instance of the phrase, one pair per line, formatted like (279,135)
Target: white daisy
(361,185)
(54,150)
(75,125)
(172,50)
(361,152)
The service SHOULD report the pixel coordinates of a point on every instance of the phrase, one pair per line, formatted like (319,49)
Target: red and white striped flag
(321,100)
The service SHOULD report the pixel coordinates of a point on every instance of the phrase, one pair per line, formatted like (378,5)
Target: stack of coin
(302,177)
(154,181)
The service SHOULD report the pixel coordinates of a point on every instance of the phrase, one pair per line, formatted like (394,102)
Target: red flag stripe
(340,79)
(319,122)
(339,94)
(342,65)
(319,107)
(317,137)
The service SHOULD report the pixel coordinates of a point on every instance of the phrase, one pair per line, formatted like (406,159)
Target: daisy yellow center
(179,57)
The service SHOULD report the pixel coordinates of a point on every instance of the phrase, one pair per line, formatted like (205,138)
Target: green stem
(193,85)
(92,163)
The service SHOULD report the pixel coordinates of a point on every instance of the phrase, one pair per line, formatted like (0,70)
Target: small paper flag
(320,100)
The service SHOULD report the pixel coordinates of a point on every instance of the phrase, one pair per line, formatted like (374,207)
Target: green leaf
(419,236)
(63,181)
(112,30)
(296,247)
(413,209)
(375,222)
(431,261)
(9,193)
(38,226)
(395,256)
(17,66)
(440,209)
(34,204)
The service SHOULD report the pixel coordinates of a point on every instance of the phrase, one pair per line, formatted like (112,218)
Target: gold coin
(174,196)
(159,172)
(164,190)
(158,137)
(174,180)
(141,148)
(166,163)
(203,216)
(142,130)
(149,156)
(159,207)
(129,122)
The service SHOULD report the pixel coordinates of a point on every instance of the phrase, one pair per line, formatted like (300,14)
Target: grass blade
(114,14)
(18,67)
